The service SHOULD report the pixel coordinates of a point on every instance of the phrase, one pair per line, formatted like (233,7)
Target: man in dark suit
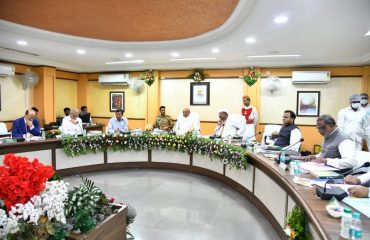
(26,124)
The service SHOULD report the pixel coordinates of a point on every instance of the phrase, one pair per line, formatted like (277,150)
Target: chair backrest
(3,128)
(267,132)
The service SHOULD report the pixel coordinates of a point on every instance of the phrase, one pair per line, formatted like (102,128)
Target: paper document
(314,166)
(360,204)
(329,185)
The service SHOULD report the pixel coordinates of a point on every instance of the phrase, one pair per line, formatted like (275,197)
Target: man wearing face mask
(365,105)
(352,121)
(338,150)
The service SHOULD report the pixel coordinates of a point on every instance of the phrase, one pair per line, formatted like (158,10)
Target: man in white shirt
(338,150)
(186,122)
(366,107)
(251,118)
(289,133)
(72,124)
(229,125)
(117,124)
(352,121)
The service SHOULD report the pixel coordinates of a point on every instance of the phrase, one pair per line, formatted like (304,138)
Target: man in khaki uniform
(163,121)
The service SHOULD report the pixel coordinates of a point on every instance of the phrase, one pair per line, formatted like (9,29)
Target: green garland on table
(231,155)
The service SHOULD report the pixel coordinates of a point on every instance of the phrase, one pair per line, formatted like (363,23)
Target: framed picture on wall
(308,103)
(116,101)
(199,93)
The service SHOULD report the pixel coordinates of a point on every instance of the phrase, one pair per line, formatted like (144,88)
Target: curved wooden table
(263,183)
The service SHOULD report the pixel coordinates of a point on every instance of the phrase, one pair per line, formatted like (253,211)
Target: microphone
(125,125)
(244,145)
(286,148)
(366,164)
(327,193)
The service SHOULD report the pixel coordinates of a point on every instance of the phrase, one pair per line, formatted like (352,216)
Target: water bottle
(75,133)
(84,132)
(43,136)
(297,170)
(346,223)
(282,157)
(292,167)
(355,231)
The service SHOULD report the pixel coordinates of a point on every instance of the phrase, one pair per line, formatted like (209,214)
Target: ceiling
(323,32)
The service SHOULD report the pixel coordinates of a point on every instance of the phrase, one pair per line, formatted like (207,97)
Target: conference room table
(263,183)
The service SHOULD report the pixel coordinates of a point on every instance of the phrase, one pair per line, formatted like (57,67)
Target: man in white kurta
(251,117)
(229,125)
(187,122)
(72,124)
(366,107)
(352,121)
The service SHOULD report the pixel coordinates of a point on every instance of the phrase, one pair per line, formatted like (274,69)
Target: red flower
(111,200)
(20,179)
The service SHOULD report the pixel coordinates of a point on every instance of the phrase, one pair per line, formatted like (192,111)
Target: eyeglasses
(363,98)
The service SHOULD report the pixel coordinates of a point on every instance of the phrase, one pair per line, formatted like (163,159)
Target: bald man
(72,124)
(187,122)
(26,124)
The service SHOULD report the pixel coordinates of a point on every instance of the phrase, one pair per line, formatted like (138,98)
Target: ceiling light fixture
(22,43)
(281,19)
(129,55)
(126,62)
(175,54)
(368,33)
(216,50)
(275,56)
(250,40)
(192,59)
(81,51)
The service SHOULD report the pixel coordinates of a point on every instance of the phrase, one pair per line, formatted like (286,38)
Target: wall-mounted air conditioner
(114,79)
(310,77)
(7,70)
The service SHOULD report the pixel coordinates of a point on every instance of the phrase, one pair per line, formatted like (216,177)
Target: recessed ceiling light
(129,55)
(175,54)
(22,43)
(81,51)
(368,33)
(274,56)
(216,50)
(192,59)
(126,62)
(280,19)
(250,40)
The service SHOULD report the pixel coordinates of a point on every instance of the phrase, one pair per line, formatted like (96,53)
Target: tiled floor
(173,205)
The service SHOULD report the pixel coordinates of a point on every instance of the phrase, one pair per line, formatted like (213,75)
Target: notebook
(325,174)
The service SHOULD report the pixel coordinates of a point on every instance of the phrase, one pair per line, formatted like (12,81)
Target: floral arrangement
(198,75)
(148,77)
(297,225)
(251,77)
(36,204)
(230,155)
(52,133)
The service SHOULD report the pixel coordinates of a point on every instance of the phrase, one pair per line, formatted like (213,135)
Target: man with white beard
(352,121)
(187,122)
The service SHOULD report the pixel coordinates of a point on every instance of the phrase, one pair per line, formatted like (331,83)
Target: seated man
(360,191)
(117,124)
(85,115)
(67,111)
(72,124)
(289,132)
(338,150)
(163,121)
(26,124)
(186,122)
(229,126)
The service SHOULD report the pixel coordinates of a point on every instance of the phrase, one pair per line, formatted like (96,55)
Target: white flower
(7,224)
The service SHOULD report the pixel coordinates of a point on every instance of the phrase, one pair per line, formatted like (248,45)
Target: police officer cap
(355,97)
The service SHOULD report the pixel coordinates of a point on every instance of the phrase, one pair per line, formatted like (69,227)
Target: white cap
(355,98)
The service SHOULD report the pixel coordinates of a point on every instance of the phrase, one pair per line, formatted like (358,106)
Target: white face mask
(364,101)
(355,105)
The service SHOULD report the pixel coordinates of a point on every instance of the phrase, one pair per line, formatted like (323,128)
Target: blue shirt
(115,124)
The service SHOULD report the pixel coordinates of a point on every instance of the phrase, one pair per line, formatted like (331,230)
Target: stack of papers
(360,204)
(314,166)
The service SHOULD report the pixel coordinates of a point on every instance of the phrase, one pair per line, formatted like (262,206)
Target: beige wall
(135,103)
(14,100)
(334,96)
(225,93)
(65,95)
